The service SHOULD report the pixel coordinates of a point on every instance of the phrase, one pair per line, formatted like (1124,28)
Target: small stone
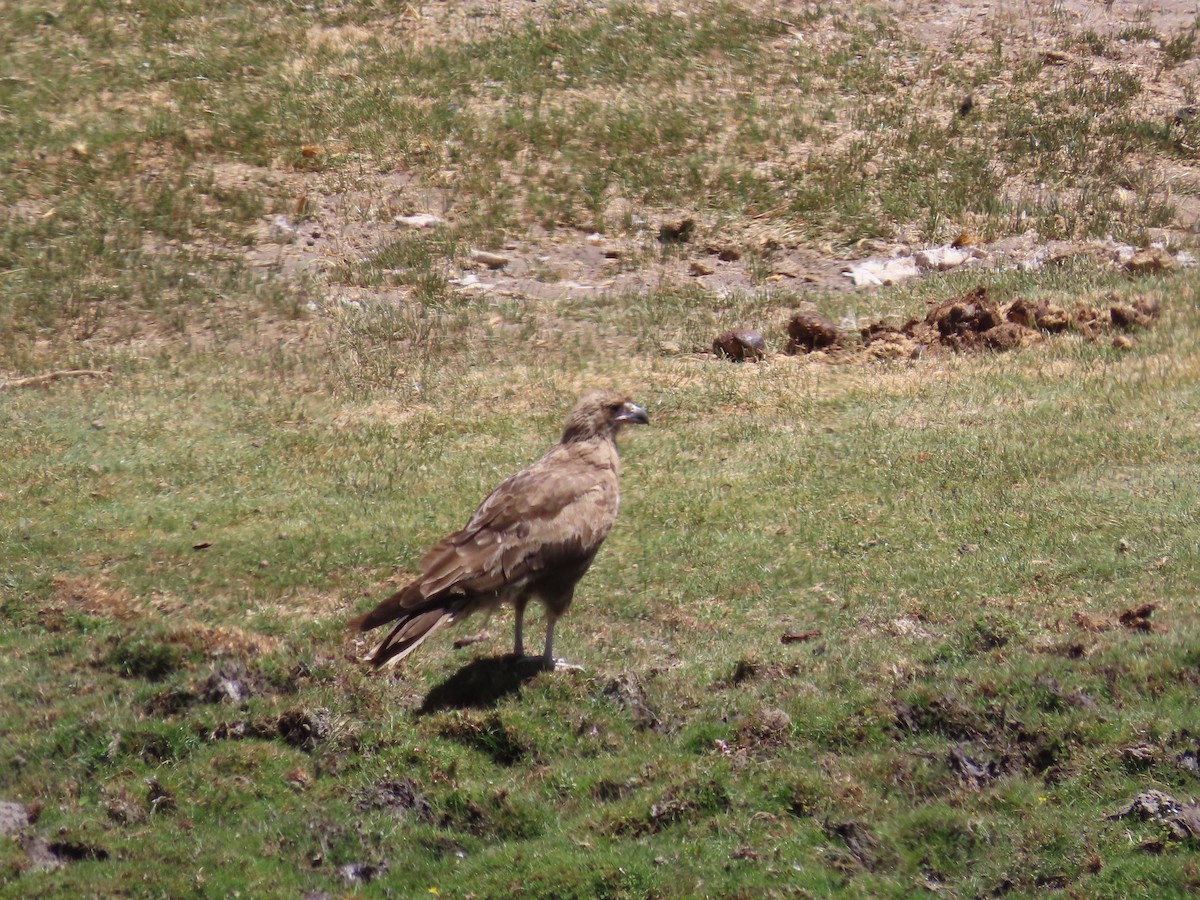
(940,259)
(420,220)
(491,260)
(282,231)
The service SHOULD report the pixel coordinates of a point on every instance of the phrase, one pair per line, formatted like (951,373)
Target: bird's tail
(413,618)
(409,633)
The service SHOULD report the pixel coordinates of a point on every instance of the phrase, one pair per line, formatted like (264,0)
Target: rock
(38,855)
(940,259)
(808,330)
(420,220)
(282,231)
(876,272)
(491,260)
(13,817)
(740,344)
(1150,261)
(678,231)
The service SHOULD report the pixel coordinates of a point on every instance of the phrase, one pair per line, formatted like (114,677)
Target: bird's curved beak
(632,414)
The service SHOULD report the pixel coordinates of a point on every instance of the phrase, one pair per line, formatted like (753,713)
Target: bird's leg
(518,643)
(482,635)
(548,659)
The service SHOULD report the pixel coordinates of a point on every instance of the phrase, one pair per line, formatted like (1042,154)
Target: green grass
(263,454)
(950,528)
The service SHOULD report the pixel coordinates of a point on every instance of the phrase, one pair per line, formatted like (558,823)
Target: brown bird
(534,536)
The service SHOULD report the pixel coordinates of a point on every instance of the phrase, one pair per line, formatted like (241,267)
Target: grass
(962,542)
(963,535)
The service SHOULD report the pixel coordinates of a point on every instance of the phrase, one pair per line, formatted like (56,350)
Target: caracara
(533,537)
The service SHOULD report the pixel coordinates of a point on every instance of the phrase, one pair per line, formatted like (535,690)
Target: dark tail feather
(394,607)
(410,633)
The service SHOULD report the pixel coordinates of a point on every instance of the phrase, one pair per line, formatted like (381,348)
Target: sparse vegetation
(864,627)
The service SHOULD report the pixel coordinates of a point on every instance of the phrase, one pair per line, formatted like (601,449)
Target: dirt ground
(338,222)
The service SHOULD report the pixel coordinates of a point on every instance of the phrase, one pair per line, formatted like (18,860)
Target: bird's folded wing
(517,537)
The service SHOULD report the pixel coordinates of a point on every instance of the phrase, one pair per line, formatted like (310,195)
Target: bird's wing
(556,511)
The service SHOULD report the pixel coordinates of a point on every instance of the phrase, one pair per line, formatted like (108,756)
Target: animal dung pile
(970,322)
(808,330)
(740,344)
(975,321)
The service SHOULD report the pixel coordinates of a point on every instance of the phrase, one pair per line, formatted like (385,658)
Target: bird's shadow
(480,684)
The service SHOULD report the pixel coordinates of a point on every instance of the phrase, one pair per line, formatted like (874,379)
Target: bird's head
(602,413)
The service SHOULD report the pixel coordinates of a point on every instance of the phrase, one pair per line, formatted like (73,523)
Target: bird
(533,537)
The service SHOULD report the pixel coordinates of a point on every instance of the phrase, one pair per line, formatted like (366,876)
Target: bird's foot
(552,665)
(468,639)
